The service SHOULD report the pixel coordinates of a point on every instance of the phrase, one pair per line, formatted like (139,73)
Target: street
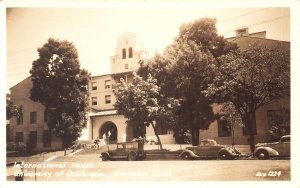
(89,167)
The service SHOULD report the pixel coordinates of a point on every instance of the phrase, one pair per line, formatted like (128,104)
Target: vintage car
(209,148)
(125,150)
(274,149)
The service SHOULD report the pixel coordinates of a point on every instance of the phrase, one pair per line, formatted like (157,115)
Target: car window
(285,139)
(120,146)
(129,146)
(204,143)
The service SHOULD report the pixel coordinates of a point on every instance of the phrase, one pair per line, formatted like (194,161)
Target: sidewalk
(40,157)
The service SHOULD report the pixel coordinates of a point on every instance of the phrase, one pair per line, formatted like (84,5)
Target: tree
(185,70)
(12,110)
(251,78)
(139,102)
(192,70)
(61,86)
(204,33)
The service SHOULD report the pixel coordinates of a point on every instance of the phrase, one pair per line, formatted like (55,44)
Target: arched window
(124,53)
(130,52)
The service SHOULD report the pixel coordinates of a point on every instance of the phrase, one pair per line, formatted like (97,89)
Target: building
(103,118)
(30,127)
(265,116)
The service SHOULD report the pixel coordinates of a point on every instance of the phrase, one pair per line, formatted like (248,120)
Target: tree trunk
(195,137)
(251,123)
(158,139)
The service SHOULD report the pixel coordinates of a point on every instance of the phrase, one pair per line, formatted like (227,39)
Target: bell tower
(126,56)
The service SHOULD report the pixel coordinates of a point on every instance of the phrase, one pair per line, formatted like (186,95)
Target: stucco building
(31,127)
(103,118)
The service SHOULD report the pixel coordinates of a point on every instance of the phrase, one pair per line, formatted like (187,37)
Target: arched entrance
(109,127)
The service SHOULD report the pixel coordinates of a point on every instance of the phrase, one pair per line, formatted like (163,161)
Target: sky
(94,31)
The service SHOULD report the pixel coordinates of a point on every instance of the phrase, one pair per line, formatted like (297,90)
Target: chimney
(242,32)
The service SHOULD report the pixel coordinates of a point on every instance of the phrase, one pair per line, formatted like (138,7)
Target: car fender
(192,154)
(224,150)
(104,153)
(271,151)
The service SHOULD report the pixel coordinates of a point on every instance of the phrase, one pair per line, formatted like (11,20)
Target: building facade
(104,120)
(31,127)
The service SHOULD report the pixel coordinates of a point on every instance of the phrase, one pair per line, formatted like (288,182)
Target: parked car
(209,148)
(125,150)
(274,149)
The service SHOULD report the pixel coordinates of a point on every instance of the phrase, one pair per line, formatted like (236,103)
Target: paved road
(89,167)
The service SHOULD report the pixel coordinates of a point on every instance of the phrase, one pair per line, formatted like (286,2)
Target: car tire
(105,157)
(132,156)
(186,156)
(262,155)
(223,155)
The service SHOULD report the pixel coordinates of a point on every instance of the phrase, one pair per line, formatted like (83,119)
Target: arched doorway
(109,127)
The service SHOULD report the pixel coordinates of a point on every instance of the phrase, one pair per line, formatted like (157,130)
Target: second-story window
(33,117)
(130,52)
(123,53)
(126,66)
(107,84)
(94,100)
(107,99)
(94,85)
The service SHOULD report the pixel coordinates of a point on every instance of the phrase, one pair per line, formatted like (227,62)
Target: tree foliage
(61,86)
(12,110)
(140,101)
(251,78)
(185,69)
(204,33)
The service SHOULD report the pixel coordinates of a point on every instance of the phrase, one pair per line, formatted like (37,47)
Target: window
(126,66)
(279,118)
(32,139)
(94,100)
(94,85)
(130,52)
(107,99)
(20,119)
(107,84)
(123,53)
(47,138)
(33,117)
(19,137)
(224,127)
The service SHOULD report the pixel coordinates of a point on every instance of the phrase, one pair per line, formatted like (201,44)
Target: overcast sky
(94,31)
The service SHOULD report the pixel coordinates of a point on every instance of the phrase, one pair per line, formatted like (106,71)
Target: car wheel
(262,155)
(132,156)
(223,155)
(186,156)
(105,157)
